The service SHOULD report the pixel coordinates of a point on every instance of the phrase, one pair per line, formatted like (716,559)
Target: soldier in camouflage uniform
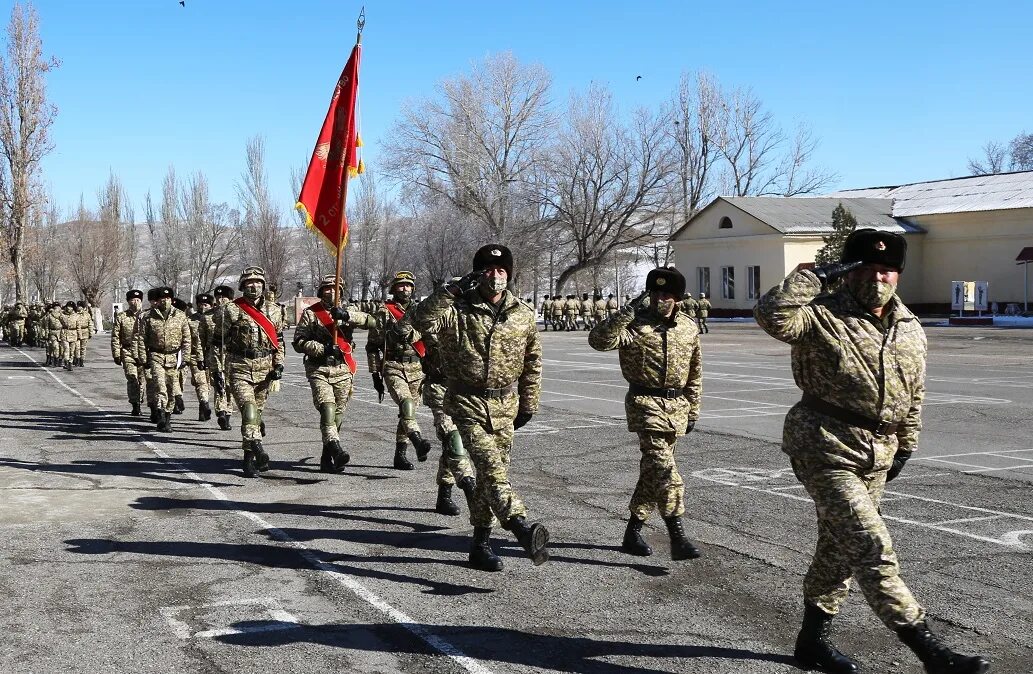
(689,306)
(163,345)
(492,359)
(69,335)
(587,312)
(661,360)
(557,313)
(329,365)
(16,324)
(247,356)
(702,312)
(394,350)
(53,325)
(611,305)
(85,315)
(179,406)
(859,356)
(32,325)
(599,309)
(123,352)
(205,327)
(546,313)
(199,375)
(570,309)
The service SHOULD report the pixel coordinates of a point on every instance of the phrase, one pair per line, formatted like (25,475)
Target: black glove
(201,365)
(335,352)
(378,384)
(276,373)
(521,419)
(899,459)
(638,301)
(830,272)
(467,283)
(219,381)
(689,426)
(118,360)
(340,314)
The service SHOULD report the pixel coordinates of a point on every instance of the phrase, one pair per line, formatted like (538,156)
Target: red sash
(397,313)
(323,316)
(258,317)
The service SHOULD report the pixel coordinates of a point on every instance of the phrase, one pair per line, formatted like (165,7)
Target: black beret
(203,298)
(134,294)
(667,280)
(872,246)
(224,291)
(493,255)
(162,293)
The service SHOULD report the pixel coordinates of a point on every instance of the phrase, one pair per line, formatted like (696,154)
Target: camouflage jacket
(390,339)
(484,346)
(197,347)
(53,324)
(235,336)
(123,332)
(703,307)
(546,308)
(69,326)
(163,335)
(311,336)
(689,306)
(571,307)
(18,314)
(611,306)
(656,353)
(587,306)
(600,308)
(844,355)
(85,324)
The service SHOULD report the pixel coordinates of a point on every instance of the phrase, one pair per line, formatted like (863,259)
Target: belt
(404,359)
(850,417)
(163,353)
(251,353)
(668,393)
(466,390)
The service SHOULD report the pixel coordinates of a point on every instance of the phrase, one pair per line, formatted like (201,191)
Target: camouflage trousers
(16,332)
(702,322)
(135,380)
(202,383)
(246,378)
(659,486)
(489,451)
(70,350)
(82,348)
(402,381)
(331,385)
(450,469)
(853,541)
(54,347)
(165,377)
(223,401)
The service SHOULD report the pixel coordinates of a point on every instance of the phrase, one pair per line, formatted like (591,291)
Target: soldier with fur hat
(163,345)
(222,295)
(85,325)
(660,358)
(69,335)
(198,367)
(123,331)
(53,325)
(859,356)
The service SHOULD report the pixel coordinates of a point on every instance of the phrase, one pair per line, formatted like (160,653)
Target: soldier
(702,311)
(247,356)
(546,313)
(53,325)
(394,351)
(599,309)
(492,359)
(123,333)
(587,311)
(69,336)
(16,324)
(661,360)
(198,363)
(31,321)
(689,306)
(179,406)
(570,309)
(324,337)
(859,356)
(611,305)
(149,387)
(558,306)
(205,327)
(163,345)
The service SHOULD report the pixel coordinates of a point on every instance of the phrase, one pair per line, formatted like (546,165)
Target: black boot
(204,411)
(401,463)
(421,445)
(937,658)
(334,458)
(250,468)
(155,414)
(49,360)
(180,406)
(813,648)
(261,428)
(633,543)
(68,365)
(224,420)
(468,484)
(136,410)
(445,504)
(165,422)
(681,546)
(533,538)
(482,557)
(261,457)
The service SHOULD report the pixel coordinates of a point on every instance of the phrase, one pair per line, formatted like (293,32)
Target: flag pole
(360,23)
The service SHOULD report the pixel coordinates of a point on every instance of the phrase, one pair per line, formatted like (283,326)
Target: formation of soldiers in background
(62,331)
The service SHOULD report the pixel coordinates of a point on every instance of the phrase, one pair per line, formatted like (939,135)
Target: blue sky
(896,91)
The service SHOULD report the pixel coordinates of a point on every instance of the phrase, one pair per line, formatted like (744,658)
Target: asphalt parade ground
(127,550)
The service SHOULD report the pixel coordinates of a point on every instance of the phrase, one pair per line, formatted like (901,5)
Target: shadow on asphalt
(144,468)
(491,644)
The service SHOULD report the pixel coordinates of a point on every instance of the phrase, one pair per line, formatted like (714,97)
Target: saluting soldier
(859,356)
(247,356)
(703,311)
(492,359)
(123,351)
(163,345)
(394,351)
(324,337)
(661,360)
(205,327)
(199,376)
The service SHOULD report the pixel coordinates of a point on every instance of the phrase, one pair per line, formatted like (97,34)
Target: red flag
(336,151)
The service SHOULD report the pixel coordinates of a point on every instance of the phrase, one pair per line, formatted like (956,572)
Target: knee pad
(454,445)
(327,412)
(407,410)
(249,414)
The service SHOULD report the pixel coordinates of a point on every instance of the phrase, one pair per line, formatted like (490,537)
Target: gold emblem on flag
(880,245)
(323,151)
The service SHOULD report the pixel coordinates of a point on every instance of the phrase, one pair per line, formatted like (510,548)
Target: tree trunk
(568,272)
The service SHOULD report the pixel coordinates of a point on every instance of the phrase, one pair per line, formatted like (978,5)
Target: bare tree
(25,120)
(479,142)
(319,258)
(98,241)
(264,240)
(1021,150)
(167,233)
(994,160)
(211,231)
(41,240)
(696,115)
(606,183)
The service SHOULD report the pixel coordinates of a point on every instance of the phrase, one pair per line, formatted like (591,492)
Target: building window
(703,280)
(753,283)
(726,223)
(728,283)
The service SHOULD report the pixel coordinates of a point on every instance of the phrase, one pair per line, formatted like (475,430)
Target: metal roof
(813,215)
(958,195)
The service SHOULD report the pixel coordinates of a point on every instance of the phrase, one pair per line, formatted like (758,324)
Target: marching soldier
(394,351)
(570,309)
(660,357)
(611,305)
(222,295)
(16,324)
(324,337)
(689,306)
(702,311)
(546,313)
(53,325)
(599,309)
(198,363)
(587,311)
(247,356)
(163,345)
(85,329)
(69,335)
(558,307)
(492,359)
(123,352)
(149,388)
(859,356)
(179,406)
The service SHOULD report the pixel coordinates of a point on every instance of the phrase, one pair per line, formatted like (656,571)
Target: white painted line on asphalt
(983,518)
(405,621)
(273,611)
(983,453)
(991,470)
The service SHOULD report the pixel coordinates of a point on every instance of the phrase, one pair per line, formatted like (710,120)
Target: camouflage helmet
(328,281)
(403,277)
(251,274)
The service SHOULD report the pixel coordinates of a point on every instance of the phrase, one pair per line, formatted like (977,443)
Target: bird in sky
(636,79)
(182,3)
